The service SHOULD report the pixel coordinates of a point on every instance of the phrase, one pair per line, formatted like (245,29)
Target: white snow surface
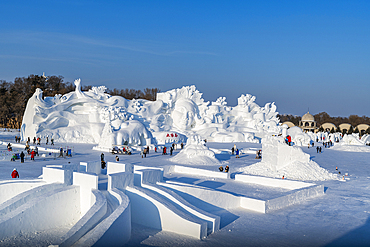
(99,118)
(339,218)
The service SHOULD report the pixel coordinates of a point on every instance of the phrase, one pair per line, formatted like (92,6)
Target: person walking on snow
(237,153)
(33,155)
(15,173)
(22,157)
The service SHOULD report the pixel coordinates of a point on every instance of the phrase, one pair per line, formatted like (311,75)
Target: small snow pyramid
(196,153)
(279,159)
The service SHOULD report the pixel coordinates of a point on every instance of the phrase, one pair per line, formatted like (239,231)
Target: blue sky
(298,54)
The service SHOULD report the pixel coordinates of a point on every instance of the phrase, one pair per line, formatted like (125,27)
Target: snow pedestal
(279,159)
(195,153)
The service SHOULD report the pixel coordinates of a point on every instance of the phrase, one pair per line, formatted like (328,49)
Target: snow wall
(97,117)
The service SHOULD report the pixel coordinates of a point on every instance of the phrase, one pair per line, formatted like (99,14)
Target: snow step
(157,211)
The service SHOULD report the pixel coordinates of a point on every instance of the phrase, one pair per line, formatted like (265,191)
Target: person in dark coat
(227,169)
(22,157)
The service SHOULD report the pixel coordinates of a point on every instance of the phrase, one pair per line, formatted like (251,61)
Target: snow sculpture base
(279,159)
(195,153)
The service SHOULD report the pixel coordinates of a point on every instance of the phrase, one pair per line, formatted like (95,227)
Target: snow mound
(353,139)
(296,170)
(195,153)
(353,143)
(279,159)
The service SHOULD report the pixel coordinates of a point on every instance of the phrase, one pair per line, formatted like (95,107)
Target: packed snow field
(338,218)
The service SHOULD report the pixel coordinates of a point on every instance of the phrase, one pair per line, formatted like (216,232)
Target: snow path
(340,218)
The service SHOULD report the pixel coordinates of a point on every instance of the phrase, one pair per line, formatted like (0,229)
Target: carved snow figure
(97,117)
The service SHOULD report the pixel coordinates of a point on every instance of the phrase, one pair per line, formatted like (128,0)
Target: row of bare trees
(14,95)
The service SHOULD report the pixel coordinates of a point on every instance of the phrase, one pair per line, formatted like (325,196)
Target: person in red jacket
(15,174)
(33,154)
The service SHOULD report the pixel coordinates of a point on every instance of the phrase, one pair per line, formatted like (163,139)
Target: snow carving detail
(107,120)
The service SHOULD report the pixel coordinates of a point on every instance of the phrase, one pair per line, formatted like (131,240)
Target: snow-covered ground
(339,218)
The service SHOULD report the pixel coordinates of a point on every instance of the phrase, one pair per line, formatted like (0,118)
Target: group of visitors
(221,169)
(236,151)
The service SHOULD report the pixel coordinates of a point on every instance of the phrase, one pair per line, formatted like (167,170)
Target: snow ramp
(153,210)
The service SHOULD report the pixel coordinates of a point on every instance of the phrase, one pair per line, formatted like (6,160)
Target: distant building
(307,123)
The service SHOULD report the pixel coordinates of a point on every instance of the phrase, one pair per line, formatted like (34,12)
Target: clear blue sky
(299,54)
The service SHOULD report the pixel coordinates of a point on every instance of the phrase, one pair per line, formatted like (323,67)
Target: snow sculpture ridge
(97,117)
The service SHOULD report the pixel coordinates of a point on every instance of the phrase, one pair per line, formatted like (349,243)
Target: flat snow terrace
(259,194)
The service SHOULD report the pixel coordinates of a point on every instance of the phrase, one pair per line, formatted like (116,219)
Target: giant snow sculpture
(97,117)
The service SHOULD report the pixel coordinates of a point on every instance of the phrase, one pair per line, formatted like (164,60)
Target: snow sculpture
(196,153)
(97,117)
(353,139)
(298,136)
(279,159)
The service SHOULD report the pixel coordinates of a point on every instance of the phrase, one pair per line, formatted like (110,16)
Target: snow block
(278,154)
(57,175)
(11,188)
(253,204)
(114,167)
(294,198)
(120,180)
(145,176)
(69,166)
(53,209)
(91,167)
(115,230)
(137,168)
(198,172)
(272,182)
(87,182)
(155,211)
(91,218)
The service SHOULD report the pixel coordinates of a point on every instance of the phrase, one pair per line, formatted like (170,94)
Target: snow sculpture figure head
(185,114)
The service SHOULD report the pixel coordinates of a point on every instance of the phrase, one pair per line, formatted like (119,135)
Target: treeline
(323,117)
(14,95)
